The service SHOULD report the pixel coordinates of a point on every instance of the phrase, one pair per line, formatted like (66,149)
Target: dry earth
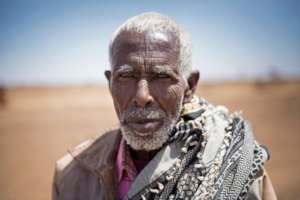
(38,125)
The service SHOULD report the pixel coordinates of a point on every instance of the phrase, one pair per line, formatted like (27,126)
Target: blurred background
(53,93)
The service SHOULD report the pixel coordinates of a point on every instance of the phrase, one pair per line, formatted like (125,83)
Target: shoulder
(261,187)
(85,156)
(220,119)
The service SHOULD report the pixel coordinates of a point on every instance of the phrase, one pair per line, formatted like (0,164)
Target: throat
(144,156)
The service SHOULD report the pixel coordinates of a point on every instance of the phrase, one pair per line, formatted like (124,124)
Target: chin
(152,140)
(149,141)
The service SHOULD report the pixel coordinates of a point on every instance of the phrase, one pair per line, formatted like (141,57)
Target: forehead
(146,48)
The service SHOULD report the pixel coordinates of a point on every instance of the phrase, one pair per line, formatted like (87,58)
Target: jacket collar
(99,157)
(99,154)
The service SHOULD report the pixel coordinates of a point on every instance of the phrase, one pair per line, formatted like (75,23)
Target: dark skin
(145,72)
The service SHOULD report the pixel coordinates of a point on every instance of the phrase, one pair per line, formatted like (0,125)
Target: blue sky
(65,42)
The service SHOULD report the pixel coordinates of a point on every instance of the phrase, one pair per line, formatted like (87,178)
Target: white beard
(149,141)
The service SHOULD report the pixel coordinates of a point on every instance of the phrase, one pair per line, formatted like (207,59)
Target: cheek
(121,94)
(169,97)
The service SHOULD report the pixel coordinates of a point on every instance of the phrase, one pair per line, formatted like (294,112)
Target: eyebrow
(123,69)
(163,69)
(158,69)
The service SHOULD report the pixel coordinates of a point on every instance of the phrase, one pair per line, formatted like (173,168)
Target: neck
(142,155)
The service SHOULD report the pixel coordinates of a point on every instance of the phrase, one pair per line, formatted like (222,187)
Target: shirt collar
(125,165)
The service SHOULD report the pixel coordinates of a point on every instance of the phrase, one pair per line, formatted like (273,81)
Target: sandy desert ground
(38,125)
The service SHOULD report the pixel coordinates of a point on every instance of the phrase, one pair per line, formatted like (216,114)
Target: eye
(162,76)
(126,75)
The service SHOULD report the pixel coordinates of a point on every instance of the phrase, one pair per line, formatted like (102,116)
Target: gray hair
(157,22)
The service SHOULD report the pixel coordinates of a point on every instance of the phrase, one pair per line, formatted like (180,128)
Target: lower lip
(145,127)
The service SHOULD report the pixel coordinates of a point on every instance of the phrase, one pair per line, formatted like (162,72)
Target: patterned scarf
(234,165)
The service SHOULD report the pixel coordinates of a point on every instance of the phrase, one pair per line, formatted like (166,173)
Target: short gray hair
(157,22)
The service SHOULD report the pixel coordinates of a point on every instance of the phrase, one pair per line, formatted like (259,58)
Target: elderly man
(171,144)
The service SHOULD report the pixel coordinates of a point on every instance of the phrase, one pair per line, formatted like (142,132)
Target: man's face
(147,86)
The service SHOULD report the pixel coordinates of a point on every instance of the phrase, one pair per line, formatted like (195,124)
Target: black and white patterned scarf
(236,161)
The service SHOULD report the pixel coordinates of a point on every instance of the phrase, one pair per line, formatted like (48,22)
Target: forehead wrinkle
(146,41)
(125,47)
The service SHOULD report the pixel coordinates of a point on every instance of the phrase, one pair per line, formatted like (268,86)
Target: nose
(143,97)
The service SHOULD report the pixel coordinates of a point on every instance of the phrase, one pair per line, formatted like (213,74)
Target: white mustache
(142,114)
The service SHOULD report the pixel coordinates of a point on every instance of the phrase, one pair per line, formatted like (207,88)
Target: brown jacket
(88,172)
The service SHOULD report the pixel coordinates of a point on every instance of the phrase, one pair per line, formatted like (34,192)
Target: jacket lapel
(99,157)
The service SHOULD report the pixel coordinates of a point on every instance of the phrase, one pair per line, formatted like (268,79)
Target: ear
(107,74)
(192,82)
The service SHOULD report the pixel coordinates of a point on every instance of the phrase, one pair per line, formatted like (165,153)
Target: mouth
(144,125)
